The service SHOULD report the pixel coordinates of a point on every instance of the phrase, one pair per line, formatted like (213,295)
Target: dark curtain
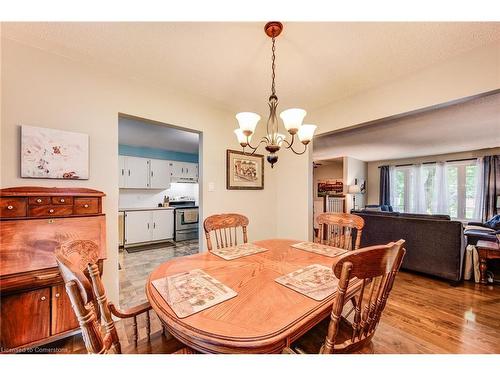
(491,165)
(385,187)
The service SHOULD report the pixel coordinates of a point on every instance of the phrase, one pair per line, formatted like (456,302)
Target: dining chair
(225,229)
(336,229)
(375,268)
(81,275)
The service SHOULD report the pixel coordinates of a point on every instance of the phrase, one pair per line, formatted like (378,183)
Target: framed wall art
(52,153)
(244,172)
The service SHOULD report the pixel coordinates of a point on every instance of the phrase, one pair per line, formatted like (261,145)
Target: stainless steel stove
(186,219)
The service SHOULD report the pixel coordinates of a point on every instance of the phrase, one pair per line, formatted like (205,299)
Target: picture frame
(243,171)
(54,154)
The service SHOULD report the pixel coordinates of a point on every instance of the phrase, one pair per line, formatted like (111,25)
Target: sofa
(483,231)
(434,244)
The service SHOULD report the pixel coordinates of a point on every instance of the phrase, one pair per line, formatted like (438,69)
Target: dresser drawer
(62,200)
(86,206)
(13,207)
(50,210)
(39,200)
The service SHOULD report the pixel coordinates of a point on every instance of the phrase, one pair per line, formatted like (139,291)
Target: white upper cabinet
(121,171)
(137,176)
(159,174)
(144,173)
(184,172)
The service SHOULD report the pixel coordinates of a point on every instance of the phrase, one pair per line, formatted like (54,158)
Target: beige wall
(354,169)
(474,72)
(373,186)
(47,90)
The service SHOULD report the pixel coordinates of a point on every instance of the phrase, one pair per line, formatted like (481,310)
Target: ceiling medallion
(292,118)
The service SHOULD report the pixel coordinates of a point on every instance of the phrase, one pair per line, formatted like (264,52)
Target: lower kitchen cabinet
(148,225)
(163,225)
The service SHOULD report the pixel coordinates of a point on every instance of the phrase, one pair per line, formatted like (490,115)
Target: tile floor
(136,267)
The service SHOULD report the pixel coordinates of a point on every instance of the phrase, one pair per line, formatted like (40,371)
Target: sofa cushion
(424,216)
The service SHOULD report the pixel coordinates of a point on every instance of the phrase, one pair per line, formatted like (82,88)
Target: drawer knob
(43,298)
(57,295)
(10,207)
(38,200)
(51,211)
(61,200)
(86,205)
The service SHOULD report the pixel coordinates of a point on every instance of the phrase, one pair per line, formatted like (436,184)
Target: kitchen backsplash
(134,198)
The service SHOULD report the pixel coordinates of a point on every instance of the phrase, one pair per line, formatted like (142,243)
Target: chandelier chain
(273,66)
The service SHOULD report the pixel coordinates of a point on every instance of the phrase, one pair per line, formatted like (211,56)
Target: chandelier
(292,118)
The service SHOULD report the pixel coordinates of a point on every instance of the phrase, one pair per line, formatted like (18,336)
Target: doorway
(159,199)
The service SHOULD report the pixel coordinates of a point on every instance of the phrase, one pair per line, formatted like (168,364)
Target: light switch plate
(211,186)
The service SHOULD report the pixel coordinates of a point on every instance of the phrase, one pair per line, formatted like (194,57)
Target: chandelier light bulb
(242,138)
(292,119)
(306,133)
(248,122)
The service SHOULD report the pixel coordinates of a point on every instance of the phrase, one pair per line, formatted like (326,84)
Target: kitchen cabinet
(163,224)
(137,227)
(148,225)
(143,173)
(137,174)
(159,174)
(122,170)
(184,172)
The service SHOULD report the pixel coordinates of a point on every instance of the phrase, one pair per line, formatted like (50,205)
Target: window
(461,180)
(444,188)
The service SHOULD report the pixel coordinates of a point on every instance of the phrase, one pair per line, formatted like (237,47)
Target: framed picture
(330,187)
(52,153)
(244,172)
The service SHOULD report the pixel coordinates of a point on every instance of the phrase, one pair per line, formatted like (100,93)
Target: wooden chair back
(336,229)
(376,267)
(87,295)
(225,229)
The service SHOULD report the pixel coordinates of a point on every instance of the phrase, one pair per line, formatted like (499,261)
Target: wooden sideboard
(34,221)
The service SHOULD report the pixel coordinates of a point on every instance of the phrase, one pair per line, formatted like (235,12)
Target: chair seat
(158,344)
(312,341)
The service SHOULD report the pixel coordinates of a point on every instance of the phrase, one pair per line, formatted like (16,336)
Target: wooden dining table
(264,317)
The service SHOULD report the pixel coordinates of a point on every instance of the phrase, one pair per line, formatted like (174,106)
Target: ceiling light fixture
(292,118)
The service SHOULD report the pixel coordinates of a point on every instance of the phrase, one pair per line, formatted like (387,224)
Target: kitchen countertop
(145,208)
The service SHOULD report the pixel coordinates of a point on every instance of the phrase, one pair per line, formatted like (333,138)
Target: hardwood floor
(423,315)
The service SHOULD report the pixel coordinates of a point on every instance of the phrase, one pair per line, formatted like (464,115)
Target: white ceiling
(133,132)
(229,63)
(467,126)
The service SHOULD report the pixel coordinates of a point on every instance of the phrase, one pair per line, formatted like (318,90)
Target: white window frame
(461,188)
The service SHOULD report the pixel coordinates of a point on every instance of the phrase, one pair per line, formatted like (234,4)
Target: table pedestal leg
(482,268)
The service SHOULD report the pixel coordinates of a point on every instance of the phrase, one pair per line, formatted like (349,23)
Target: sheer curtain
(417,190)
(441,194)
(478,214)
(392,185)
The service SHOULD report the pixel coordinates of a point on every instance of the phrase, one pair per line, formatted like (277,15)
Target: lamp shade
(354,189)
(247,121)
(292,119)
(306,132)
(242,138)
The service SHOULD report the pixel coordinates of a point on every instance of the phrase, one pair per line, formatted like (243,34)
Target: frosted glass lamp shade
(354,189)
(242,138)
(247,121)
(306,133)
(292,119)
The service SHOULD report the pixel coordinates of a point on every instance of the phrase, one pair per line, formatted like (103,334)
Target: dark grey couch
(434,244)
